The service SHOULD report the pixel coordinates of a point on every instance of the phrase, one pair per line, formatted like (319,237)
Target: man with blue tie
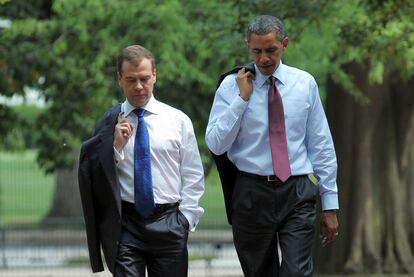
(267,119)
(141,179)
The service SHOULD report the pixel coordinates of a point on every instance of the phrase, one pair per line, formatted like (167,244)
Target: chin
(139,102)
(267,71)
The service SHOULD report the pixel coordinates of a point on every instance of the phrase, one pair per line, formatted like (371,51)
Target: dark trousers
(267,213)
(157,244)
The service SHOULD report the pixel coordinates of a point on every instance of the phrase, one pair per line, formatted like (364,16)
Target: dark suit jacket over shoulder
(99,190)
(226,169)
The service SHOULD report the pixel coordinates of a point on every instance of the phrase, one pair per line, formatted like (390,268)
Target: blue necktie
(143,194)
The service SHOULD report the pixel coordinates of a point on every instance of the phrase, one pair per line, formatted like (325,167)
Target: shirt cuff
(330,202)
(192,220)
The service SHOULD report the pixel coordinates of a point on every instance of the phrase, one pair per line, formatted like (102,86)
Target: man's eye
(256,51)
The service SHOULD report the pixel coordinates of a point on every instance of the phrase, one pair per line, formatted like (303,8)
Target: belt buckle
(271,178)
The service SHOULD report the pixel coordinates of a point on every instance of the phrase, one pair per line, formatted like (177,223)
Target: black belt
(268,178)
(159,208)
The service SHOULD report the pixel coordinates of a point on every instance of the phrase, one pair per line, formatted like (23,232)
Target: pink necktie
(277,133)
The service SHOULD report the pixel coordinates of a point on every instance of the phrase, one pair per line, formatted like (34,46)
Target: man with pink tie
(269,122)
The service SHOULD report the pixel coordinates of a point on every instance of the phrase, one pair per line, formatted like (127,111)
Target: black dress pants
(157,244)
(267,213)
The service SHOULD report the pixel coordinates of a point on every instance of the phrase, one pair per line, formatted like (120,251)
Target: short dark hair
(265,24)
(134,55)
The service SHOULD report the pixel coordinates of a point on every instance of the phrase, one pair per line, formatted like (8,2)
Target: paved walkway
(30,261)
(85,272)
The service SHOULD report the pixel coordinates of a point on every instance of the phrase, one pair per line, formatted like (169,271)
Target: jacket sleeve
(86,193)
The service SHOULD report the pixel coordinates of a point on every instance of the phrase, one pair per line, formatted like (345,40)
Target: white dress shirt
(177,171)
(240,128)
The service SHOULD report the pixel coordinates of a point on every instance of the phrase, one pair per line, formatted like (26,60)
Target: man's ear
(119,77)
(285,42)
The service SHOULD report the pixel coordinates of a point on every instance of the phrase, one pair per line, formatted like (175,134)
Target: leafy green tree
(68,52)
(370,104)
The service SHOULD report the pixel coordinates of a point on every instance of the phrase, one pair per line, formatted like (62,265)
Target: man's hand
(244,81)
(123,131)
(328,227)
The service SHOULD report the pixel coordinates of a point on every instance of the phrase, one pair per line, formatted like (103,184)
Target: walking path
(86,272)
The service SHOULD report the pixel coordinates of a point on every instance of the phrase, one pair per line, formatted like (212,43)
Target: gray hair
(265,24)
(134,55)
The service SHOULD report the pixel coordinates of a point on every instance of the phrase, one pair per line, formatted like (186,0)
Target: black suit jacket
(100,193)
(226,169)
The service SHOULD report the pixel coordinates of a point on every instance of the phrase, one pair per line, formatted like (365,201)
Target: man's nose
(263,58)
(138,84)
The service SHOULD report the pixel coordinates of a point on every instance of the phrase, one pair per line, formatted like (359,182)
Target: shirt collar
(152,106)
(279,74)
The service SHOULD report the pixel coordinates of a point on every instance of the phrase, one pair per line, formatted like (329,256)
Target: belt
(159,208)
(268,178)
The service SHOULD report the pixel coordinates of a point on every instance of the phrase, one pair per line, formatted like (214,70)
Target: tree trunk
(66,199)
(374,146)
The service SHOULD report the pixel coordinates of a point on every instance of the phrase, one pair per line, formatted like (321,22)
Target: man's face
(266,51)
(137,82)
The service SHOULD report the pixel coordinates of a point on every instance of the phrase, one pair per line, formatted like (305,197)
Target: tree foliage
(373,137)
(379,34)
(66,50)
(70,57)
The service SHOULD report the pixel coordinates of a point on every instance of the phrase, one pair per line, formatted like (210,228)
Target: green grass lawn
(26,192)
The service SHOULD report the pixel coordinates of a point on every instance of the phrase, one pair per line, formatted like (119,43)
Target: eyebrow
(138,77)
(265,49)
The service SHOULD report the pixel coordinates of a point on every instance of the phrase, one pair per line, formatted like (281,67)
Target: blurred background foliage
(65,50)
